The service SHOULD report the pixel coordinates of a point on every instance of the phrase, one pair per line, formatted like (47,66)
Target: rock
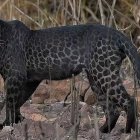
(31,112)
(7,129)
(91,133)
(86,111)
(138,101)
(50,101)
(60,131)
(28,110)
(57,107)
(126,137)
(136,13)
(37,117)
(55,91)
(40,94)
(86,94)
(83,85)
(85,123)
(80,138)
(59,89)
(90,97)
(85,108)
(36,130)
(38,99)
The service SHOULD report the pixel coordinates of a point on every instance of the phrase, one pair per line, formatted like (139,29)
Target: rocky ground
(48,119)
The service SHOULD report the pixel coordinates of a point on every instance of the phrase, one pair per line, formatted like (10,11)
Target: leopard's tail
(131,51)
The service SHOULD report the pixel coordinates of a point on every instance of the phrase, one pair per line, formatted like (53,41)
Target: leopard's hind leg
(111,112)
(117,94)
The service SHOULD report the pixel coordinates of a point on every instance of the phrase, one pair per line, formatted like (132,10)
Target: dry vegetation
(45,13)
(124,15)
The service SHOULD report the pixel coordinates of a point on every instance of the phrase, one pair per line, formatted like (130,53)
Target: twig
(135,96)
(71,15)
(91,12)
(72,129)
(79,9)
(11,8)
(75,109)
(43,13)
(101,12)
(112,11)
(3,4)
(118,12)
(73,8)
(130,20)
(73,98)
(26,15)
(96,123)
(76,121)
(74,11)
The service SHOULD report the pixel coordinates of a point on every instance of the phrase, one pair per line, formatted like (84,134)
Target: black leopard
(29,56)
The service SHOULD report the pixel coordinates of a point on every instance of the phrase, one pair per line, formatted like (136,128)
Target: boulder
(90,97)
(40,94)
(56,91)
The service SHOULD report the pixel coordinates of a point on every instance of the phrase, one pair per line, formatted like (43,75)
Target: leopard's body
(29,56)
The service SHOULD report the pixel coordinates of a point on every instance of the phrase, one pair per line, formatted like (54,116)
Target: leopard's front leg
(19,89)
(14,85)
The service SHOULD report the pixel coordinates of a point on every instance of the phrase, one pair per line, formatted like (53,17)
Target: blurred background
(123,15)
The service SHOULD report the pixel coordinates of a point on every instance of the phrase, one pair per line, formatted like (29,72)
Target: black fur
(29,56)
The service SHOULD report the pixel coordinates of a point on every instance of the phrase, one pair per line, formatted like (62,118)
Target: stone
(37,117)
(40,94)
(57,107)
(90,97)
(83,86)
(7,129)
(39,99)
(58,89)
(50,101)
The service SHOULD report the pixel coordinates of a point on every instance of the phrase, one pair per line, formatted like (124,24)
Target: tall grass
(38,13)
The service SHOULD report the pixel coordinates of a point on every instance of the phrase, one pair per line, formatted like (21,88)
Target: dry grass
(38,13)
